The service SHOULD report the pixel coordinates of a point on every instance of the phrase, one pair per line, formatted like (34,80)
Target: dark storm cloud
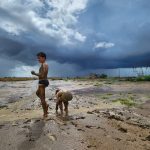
(124,23)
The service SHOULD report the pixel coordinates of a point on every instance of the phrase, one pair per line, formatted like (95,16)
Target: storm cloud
(78,36)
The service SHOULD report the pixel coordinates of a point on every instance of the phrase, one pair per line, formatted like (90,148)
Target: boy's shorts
(44,82)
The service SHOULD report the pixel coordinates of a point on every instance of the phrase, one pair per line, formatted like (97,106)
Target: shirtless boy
(63,97)
(43,81)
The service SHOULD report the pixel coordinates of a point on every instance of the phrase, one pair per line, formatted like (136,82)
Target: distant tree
(103,76)
(93,76)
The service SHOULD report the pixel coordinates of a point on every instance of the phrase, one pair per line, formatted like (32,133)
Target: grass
(80,84)
(104,97)
(99,96)
(109,94)
(108,82)
(16,79)
(140,78)
(97,84)
(129,93)
(128,102)
(143,78)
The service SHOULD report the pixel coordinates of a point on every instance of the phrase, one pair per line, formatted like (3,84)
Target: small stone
(89,112)
(31,139)
(27,121)
(118,139)
(1,126)
(88,126)
(80,118)
(148,138)
(123,130)
(81,130)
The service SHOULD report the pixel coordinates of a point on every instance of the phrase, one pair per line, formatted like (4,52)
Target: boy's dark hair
(41,54)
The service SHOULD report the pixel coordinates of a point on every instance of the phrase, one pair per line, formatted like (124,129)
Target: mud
(96,121)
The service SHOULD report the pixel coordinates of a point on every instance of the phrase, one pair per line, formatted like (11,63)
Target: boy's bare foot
(46,112)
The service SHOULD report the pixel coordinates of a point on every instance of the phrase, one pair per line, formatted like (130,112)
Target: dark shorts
(44,82)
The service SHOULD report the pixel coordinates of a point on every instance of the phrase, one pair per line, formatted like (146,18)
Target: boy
(43,82)
(63,98)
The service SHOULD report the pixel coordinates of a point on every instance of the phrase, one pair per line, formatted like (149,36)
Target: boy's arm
(44,71)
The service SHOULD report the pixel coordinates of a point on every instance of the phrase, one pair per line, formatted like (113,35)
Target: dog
(62,99)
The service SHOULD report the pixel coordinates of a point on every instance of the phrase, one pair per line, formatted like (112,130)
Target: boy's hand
(33,72)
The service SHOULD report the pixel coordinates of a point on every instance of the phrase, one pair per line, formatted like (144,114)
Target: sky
(78,36)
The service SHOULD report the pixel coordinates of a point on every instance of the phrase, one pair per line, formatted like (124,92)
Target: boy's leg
(66,103)
(42,97)
(38,92)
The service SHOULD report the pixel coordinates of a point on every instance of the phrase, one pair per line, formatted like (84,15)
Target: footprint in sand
(51,137)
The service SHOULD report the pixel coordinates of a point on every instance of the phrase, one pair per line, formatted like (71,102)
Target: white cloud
(23,70)
(12,28)
(80,37)
(103,45)
(56,19)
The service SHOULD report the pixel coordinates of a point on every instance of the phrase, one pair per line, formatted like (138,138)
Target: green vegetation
(129,93)
(108,82)
(128,102)
(143,78)
(55,78)
(16,79)
(109,94)
(104,97)
(104,76)
(97,76)
(100,96)
(97,84)
(139,78)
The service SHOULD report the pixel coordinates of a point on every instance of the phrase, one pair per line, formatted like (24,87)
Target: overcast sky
(78,36)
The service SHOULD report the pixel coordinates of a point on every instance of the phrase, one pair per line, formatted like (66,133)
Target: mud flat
(103,115)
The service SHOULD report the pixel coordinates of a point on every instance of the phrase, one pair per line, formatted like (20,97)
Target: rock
(1,125)
(76,107)
(89,112)
(88,126)
(148,138)
(77,118)
(25,126)
(118,139)
(52,137)
(96,111)
(90,146)
(27,108)
(27,121)
(37,120)
(75,124)
(14,124)
(50,99)
(123,130)
(81,130)
(92,103)
(31,139)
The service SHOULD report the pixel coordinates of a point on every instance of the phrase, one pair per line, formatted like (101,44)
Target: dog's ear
(57,91)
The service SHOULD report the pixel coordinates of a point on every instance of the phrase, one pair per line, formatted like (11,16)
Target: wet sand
(96,120)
